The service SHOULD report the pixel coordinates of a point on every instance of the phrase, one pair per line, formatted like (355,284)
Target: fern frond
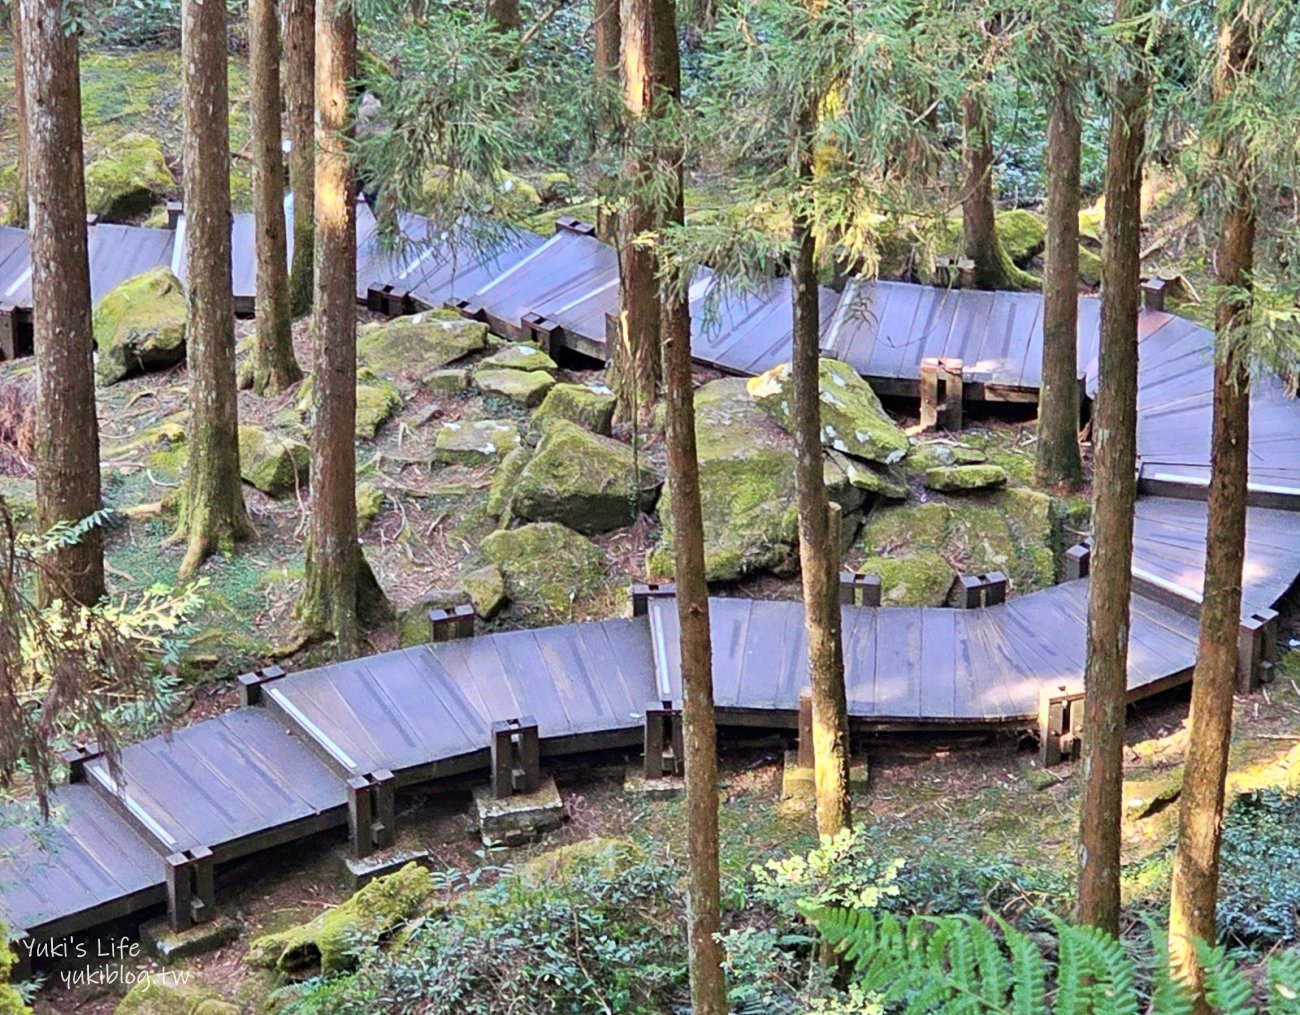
(1227,991)
(1169,996)
(1284,984)
(1028,972)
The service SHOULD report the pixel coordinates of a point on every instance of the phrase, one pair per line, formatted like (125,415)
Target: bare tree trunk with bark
(18,211)
(1115,490)
(340,589)
(608,30)
(504,14)
(213,517)
(274,366)
(1195,889)
(819,549)
(300,106)
(979,227)
(1058,462)
(66,439)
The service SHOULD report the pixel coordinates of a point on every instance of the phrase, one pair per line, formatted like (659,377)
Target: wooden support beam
(859,589)
(1060,725)
(191,888)
(1078,561)
(174,211)
(470,311)
(8,331)
(1256,650)
(76,758)
(251,684)
(390,300)
(979,590)
(941,393)
(372,812)
(806,754)
(642,593)
(569,224)
(664,748)
(516,757)
(542,330)
(450,625)
(1153,293)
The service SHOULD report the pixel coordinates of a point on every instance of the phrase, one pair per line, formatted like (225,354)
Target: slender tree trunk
(1195,889)
(18,213)
(504,14)
(66,451)
(1059,463)
(274,366)
(819,550)
(979,228)
(1115,486)
(300,106)
(605,18)
(340,589)
(635,365)
(213,517)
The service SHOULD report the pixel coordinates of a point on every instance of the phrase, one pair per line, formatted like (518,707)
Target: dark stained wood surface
(438,272)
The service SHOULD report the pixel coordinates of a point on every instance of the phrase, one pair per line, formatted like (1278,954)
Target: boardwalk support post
(470,311)
(1256,650)
(542,330)
(191,888)
(516,757)
(76,759)
(664,748)
(859,589)
(251,684)
(174,211)
(8,332)
(642,593)
(1060,725)
(569,224)
(941,393)
(390,300)
(982,590)
(449,625)
(1153,293)
(806,755)
(372,812)
(1078,561)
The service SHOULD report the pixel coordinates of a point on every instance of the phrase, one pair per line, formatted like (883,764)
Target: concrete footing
(798,782)
(518,819)
(167,945)
(665,787)
(358,872)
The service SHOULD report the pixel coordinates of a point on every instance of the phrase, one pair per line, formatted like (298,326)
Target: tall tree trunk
(504,14)
(18,212)
(340,589)
(1195,889)
(819,549)
(1059,463)
(213,517)
(274,366)
(300,106)
(66,452)
(605,19)
(1115,486)
(635,365)
(979,228)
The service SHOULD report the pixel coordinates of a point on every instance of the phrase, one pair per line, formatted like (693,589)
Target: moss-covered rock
(607,858)
(370,501)
(518,356)
(332,940)
(853,420)
(965,477)
(591,484)
(555,187)
(914,579)
(937,454)
(1089,265)
(20,497)
(887,481)
(275,464)
(128,179)
(411,348)
(504,479)
(1022,234)
(475,441)
(377,400)
(486,587)
(546,567)
(447,382)
(590,406)
(527,387)
(413,622)
(139,325)
(155,996)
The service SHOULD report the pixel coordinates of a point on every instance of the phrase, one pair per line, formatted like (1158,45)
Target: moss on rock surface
(914,579)
(547,567)
(414,347)
(502,490)
(588,406)
(591,484)
(475,442)
(20,497)
(1022,234)
(157,997)
(139,325)
(518,356)
(486,588)
(370,501)
(853,420)
(274,464)
(601,857)
(965,477)
(128,179)
(377,400)
(527,387)
(332,941)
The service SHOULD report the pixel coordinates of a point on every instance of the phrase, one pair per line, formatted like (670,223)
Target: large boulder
(547,568)
(486,587)
(591,484)
(853,420)
(518,356)
(914,579)
(475,442)
(413,348)
(953,478)
(275,464)
(332,941)
(590,406)
(128,179)
(377,400)
(526,387)
(1022,234)
(139,325)
(502,489)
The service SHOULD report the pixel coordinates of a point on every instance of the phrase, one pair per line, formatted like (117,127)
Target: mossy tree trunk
(1195,889)
(819,549)
(300,106)
(605,21)
(1058,461)
(635,364)
(979,227)
(18,212)
(213,517)
(66,439)
(339,586)
(274,366)
(708,983)
(1115,486)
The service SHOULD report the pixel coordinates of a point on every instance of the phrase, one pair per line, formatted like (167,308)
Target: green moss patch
(547,568)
